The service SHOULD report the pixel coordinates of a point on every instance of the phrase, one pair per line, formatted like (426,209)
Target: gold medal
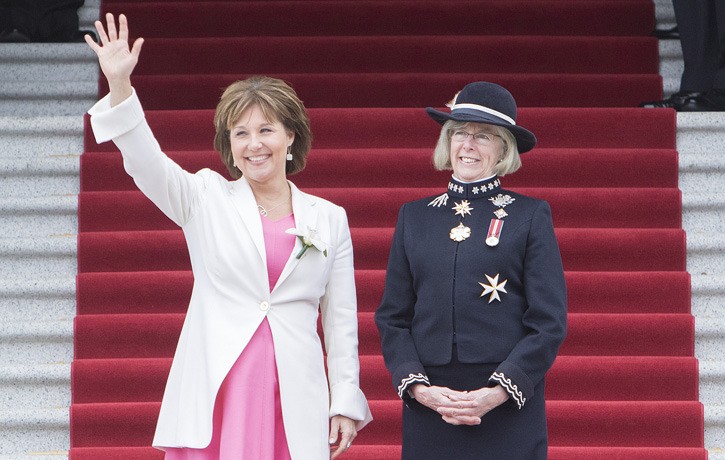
(460,233)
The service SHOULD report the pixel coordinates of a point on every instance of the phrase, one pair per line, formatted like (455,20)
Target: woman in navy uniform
(474,308)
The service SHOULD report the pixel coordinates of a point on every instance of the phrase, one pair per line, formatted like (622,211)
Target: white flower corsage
(309,240)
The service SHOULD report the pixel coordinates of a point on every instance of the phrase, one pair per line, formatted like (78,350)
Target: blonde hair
(278,102)
(510,160)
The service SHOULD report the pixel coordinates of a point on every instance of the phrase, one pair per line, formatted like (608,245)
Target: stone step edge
(65,124)
(708,284)
(703,200)
(58,204)
(708,123)
(51,374)
(707,244)
(47,53)
(710,328)
(693,160)
(42,287)
(59,245)
(40,90)
(35,418)
(60,330)
(52,165)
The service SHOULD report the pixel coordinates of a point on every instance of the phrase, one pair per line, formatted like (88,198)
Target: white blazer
(231,295)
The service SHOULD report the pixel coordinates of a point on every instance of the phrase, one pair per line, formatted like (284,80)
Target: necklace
(264,211)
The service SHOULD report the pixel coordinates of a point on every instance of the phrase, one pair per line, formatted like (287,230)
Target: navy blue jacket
(503,304)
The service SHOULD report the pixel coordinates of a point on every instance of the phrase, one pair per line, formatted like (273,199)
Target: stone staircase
(702,181)
(701,145)
(46,90)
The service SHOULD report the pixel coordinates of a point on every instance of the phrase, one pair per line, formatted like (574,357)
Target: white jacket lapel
(245,204)
(305,213)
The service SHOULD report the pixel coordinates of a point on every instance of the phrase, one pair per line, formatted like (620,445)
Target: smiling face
(474,155)
(259,146)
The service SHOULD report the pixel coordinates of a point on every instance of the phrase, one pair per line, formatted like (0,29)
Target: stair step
(33,257)
(37,342)
(698,168)
(664,13)
(34,432)
(712,380)
(715,428)
(25,386)
(657,424)
(39,98)
(710,338)
(703,211)
(30,298)
(704,253)
(61,135)
(671,65)
(47,62)
(700,132)
(571,378)
(25,217)
(590,18)
(88,13)
(360,451)
(40,176)
(708,294)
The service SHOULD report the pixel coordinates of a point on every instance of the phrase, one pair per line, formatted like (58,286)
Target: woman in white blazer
(249,363)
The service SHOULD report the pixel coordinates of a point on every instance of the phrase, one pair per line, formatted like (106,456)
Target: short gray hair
(510,161)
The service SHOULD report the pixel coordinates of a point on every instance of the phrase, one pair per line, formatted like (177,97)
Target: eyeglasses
(478,138)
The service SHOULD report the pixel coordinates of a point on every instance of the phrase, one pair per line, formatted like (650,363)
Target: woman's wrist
(415,389)
(119,91)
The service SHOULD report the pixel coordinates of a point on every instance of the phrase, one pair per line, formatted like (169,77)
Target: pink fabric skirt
(247,413)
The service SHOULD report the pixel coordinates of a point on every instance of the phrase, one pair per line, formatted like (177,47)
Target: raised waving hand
(116,58)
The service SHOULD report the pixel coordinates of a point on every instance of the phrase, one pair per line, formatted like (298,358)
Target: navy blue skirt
(506,432)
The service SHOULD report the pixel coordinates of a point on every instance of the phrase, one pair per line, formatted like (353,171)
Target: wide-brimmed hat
(484,102)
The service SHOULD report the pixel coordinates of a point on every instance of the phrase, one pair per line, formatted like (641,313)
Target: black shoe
(712,100)
(667,34)
(673,102)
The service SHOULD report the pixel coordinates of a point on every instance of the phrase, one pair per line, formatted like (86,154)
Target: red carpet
(625,385)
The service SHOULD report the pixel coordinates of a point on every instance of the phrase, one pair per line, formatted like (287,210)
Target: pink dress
(248,412)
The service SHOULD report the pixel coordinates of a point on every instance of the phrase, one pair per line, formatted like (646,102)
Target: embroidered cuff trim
(409,380)
(512,389)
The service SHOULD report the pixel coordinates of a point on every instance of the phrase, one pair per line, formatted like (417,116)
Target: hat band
(484,109)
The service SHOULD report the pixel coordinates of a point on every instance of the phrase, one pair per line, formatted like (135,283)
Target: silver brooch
(502,200)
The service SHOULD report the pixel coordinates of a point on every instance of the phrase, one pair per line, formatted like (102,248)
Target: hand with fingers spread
(116,59)
(344,428)
(468,408)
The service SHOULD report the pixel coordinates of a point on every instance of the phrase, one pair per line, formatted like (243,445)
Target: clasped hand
(460,407)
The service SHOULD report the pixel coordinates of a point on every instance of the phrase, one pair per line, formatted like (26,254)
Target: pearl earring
(289,153)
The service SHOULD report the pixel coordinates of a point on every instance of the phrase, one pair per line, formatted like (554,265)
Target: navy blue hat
(484,102)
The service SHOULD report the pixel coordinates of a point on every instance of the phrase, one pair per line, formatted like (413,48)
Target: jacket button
(264,306)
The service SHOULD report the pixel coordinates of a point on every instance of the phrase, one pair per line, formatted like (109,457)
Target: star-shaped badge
(493,288)
(462,208)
